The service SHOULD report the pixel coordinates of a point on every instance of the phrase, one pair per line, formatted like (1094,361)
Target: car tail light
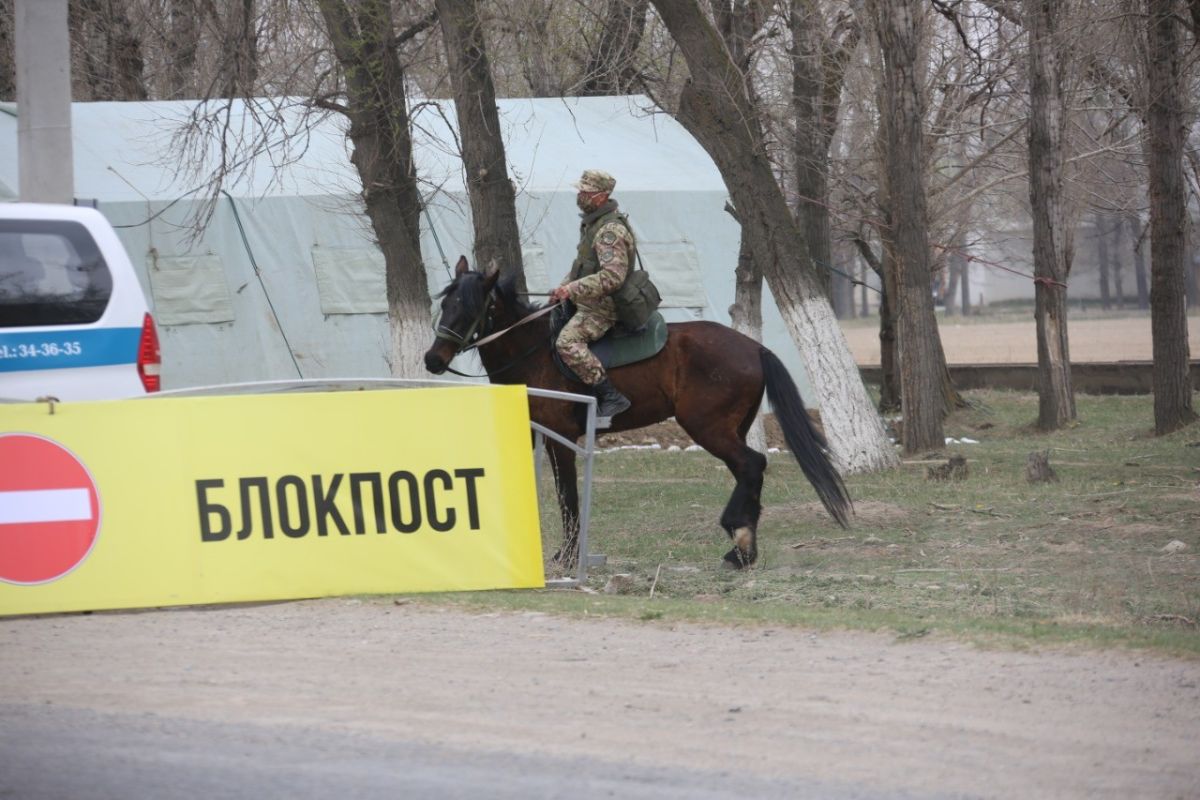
(149,362)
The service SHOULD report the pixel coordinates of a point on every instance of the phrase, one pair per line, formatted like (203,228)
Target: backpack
(637,298)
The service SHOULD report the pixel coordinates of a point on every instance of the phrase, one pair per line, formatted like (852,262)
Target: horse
(709,377)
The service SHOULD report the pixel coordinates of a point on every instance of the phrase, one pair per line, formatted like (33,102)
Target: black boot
(609,403)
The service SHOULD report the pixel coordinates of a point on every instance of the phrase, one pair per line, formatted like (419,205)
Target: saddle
(616,348)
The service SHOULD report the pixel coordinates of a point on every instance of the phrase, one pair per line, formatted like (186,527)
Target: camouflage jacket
(603,259)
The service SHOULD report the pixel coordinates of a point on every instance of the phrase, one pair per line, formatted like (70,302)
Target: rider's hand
(560,293)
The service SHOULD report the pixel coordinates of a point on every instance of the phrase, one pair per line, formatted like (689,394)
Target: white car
(74,324)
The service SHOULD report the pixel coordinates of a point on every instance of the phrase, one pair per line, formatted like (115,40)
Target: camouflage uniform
(603,260)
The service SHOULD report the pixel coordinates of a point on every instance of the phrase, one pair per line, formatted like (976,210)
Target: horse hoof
(734,560)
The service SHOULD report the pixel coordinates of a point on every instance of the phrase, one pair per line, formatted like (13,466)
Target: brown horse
(709,377)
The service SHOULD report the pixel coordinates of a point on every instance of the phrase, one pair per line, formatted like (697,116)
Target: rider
(604,257)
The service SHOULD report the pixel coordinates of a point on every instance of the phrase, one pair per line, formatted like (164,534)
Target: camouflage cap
(594,180)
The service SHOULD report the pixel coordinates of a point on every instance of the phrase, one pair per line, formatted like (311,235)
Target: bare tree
(1137,235)
(821,53)
(493,200)
(366,47)
(719,113)
(1103,259)
(183,33)
(610,66)
(239,47)
(1051,226)
(1164,151)
(107,62)
(738,21)
(900,27)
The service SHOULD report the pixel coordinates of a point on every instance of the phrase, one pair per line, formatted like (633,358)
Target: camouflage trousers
(587,325)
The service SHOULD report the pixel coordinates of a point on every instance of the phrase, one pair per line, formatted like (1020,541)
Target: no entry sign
(49,509)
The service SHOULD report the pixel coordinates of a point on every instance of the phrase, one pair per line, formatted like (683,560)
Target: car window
(51,273)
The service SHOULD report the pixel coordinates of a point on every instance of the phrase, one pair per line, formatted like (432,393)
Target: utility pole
(43,61)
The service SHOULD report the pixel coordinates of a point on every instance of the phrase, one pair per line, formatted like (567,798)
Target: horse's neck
(511,352)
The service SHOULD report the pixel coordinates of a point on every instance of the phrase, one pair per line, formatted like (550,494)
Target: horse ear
(462,267)
(491,274)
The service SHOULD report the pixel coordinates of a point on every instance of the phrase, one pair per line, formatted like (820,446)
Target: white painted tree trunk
(410,335)
(709,106)
(857,440)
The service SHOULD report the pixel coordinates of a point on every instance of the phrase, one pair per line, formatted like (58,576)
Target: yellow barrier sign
(178,501)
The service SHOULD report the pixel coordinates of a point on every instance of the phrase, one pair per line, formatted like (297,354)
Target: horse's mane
(507,288)
(469,286)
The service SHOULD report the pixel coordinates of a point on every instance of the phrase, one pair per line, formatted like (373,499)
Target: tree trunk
(889,389)
(1051,229)
(863,296)
(610,67)
(1136,235)
(8,48)
(900,25)
(493,200)
(811,147)
(108,62)
(239,50)
(542,79)
(843,281)
(364,43)
(964,284)
(889,354)
(745,316)
(819,63)
(737,21)
(1192,268)
(183,39)
(1103,259)
(1113,223)
(957,261)
(716,108)
(1168,312)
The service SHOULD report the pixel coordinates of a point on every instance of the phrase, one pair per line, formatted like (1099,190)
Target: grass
(990,559)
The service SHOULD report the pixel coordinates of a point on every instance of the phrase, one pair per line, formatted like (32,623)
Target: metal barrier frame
(587,449)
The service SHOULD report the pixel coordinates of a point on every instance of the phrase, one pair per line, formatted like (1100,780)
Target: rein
(492,336)
(540,312)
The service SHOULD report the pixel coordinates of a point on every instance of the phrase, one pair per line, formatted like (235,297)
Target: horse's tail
(807,444)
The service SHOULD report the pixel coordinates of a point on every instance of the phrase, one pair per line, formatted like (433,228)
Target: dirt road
(1015,341)
(860,715)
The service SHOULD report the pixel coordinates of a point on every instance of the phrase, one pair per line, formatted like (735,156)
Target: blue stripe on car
(66,349)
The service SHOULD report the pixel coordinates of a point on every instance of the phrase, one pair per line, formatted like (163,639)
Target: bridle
(477,328)
(479,333)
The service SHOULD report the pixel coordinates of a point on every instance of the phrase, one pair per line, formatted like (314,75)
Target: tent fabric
(286,279)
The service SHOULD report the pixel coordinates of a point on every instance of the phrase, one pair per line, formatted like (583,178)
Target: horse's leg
(562,461)
(740,517)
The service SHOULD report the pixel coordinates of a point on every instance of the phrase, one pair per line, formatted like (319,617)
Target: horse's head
(464,316)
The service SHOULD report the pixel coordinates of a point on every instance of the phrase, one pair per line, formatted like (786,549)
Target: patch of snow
(631,447)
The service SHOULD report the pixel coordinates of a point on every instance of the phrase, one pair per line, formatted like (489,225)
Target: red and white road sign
(49,509)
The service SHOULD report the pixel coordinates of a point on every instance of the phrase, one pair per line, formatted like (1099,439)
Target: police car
(74,324)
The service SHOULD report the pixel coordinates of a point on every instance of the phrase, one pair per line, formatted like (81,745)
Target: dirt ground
(913,718)
(1015,341)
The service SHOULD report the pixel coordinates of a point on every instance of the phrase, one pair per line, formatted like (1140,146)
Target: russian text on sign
(408,503)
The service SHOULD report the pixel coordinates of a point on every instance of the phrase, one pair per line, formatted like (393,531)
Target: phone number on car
(41,350)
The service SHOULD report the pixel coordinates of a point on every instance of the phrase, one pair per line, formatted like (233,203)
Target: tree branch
(416,28)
